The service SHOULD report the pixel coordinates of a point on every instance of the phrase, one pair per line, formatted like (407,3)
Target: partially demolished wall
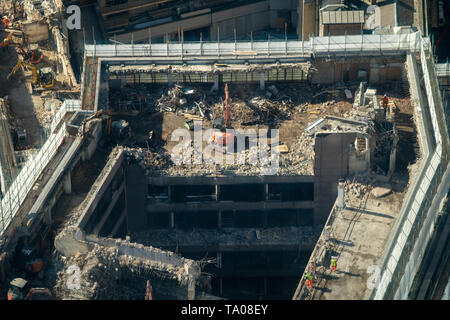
(114,259)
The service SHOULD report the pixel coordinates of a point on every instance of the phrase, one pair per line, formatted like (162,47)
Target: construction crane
(223,137)
(43,77)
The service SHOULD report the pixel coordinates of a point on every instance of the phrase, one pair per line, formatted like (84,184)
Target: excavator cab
(16,289)
(34,55)
(19,286)
(46,78)
(27,257)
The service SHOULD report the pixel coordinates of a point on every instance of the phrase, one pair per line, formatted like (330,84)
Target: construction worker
(5,22)
(308,279)
(333,264)
(385,102)
(148,292)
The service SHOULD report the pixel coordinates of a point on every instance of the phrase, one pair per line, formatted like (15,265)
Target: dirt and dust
(286,107)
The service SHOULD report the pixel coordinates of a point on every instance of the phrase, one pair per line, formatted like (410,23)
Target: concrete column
(341,194)
(374,73)
(219,260)
(169,80)
(169,193)
(172,219)
(265,218)
(219,219)
(191,289)
(48,216)
(261,80)
(123,80)
(265,287)
(217,192)
(68,184)
(266,191)
(215,86)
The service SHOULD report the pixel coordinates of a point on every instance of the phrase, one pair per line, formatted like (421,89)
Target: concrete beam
(108,211)
(228,205)
(68,183)
(261,80)
(197,180)
(100,186)
(119,222)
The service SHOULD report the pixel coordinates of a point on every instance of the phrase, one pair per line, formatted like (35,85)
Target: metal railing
(443,69)
(67,106)
(302,292)
(413,229)
(351,44)
(33,168)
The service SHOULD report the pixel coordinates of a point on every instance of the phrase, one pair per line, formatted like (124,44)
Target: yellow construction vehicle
(43,77)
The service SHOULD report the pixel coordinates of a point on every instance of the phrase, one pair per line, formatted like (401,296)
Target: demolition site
(319,152)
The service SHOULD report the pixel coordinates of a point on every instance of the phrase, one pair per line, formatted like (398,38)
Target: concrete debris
(108,260)
(348,94)
(359,187)
(232,236)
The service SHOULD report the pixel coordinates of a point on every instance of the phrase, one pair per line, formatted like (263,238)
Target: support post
(261,80)
(68,184)
(219,219)
(169,79)
(191,289)
(215,86)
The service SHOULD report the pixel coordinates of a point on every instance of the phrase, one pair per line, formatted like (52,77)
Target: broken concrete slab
(382,191)
(68,243)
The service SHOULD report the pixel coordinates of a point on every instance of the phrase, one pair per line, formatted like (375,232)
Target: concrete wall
(340,29)
(331,164)
(343,71)
(245,19)
(308,19)
(136,198)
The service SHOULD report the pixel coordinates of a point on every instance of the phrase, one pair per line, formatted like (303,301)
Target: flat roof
(357,240)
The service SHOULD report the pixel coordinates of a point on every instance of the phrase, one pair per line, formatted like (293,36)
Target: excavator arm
(14,70)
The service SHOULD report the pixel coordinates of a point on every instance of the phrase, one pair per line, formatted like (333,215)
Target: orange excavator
(34,55)
(18,288)
(221,136)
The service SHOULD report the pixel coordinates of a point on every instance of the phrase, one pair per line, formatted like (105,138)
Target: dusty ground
(27,107)
(290,110)
(357,238)
(20,100)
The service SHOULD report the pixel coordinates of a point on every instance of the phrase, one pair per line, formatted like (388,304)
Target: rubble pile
(96,272)
(359,187)
(248,105)
(159,162)
(100,268)
(231,236)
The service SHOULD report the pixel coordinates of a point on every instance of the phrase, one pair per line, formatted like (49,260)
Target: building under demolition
(117,200)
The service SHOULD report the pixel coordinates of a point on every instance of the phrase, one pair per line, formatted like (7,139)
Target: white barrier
(317,45)
(30,172)
(67,106)
(407,238)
